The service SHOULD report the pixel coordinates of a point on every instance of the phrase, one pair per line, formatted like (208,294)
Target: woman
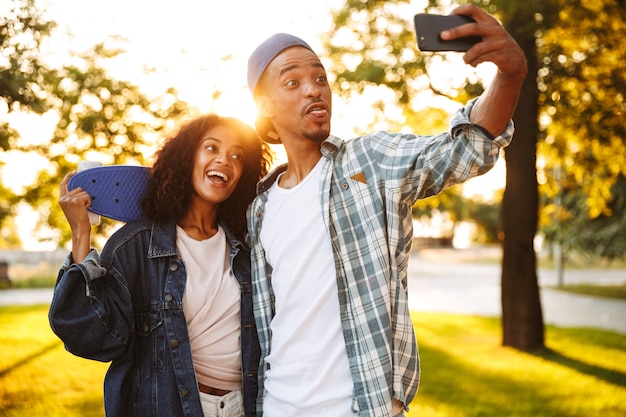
(168,301)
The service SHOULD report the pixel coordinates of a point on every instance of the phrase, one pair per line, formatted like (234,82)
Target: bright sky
(195,46)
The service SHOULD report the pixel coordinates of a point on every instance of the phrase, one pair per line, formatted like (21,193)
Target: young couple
(306,314)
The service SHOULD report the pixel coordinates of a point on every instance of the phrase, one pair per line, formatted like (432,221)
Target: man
(331,230)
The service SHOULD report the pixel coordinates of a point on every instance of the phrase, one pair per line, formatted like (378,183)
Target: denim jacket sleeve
(91,310)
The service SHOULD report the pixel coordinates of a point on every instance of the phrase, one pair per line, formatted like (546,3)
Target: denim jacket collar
(163,239)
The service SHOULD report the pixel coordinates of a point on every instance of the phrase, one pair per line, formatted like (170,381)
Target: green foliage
(583,154)
(373,44)
(374,36)
(7,209)
(567,223)
(22,30)
(581,84)
(98,117)
(485,215)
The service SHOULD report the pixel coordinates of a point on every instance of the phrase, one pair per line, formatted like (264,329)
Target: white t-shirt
(308,371)
(212,308)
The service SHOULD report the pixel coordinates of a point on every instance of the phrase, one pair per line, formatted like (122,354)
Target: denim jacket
(126,306)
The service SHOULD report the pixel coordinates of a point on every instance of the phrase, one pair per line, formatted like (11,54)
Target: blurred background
(93,81)
(104,81)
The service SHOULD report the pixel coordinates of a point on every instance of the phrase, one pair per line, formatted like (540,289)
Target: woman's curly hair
(170,187)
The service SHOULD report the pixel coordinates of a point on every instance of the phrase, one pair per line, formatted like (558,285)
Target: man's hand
(496,106)
(497,45)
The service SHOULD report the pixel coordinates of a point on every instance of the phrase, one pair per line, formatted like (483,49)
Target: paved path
(439,281)
(25,296)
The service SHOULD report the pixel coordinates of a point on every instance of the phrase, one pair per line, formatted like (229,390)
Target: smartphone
(428,27)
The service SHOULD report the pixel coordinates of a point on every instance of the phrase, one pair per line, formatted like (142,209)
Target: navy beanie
(266,52)
(258,61)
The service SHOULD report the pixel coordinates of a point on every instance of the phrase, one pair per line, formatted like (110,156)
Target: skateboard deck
(116,190)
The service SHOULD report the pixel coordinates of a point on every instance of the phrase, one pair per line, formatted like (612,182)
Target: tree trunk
(522,318)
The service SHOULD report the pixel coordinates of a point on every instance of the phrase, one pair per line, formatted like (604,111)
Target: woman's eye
(210,148)
(237,156)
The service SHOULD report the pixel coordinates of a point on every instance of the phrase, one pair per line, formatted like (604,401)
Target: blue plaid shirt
(368,187)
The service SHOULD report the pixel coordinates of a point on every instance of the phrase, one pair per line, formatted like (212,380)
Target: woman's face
(218,165)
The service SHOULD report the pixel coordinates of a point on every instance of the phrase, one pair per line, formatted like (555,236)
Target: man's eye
(321,79)
(291,83)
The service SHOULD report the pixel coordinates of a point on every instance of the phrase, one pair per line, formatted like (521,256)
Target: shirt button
(222,405)
(345,186)
(173,267)
(174,343)
(184,393)
(168,297)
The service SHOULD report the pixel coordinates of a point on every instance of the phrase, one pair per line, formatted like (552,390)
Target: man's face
(296,95)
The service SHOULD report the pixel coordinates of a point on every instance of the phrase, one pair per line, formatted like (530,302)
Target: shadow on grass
(89,407)
(463,389)
(29,358)
(607,375)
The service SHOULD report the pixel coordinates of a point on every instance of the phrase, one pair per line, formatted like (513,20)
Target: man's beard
(318,136)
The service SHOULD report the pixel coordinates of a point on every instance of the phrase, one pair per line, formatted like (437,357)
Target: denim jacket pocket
(147,323)
(147,328)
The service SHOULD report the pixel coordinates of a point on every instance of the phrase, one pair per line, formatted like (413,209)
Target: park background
(110,78)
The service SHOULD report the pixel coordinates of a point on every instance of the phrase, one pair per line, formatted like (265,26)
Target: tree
(373,48)
(571,112)
(484,215)
(98,117)
(22,28)
(522,317)
(583,154)
(390,60)
(568,226)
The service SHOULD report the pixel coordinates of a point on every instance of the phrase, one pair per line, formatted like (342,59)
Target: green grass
(607,291)
(38,281)
(38,377)
(465,371)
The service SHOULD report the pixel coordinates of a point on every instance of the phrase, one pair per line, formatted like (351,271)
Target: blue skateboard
(116,190)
